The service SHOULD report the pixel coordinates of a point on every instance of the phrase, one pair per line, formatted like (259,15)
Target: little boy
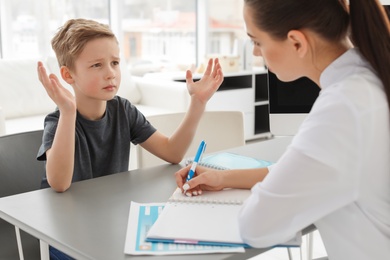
(90,133)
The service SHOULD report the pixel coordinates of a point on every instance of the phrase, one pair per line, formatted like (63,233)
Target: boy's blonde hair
(72,37)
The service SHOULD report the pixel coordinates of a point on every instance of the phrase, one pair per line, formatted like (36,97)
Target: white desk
(89,220)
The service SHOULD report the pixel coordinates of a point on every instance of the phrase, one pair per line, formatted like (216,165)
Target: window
(226,33)
(156,35)
(27,26)
(159,34)
(226,26)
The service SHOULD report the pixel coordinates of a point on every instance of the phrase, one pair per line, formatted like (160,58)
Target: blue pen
(199,153)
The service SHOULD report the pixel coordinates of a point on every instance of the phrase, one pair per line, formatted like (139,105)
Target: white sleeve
(284,204)
(270,167)
(313,178)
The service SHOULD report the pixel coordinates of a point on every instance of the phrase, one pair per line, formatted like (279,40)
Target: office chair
(19,172)
(220,129)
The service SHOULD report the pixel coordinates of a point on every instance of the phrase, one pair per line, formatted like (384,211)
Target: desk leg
(309,247)
(44,250)
(306,249)
(289,253)
(19,242)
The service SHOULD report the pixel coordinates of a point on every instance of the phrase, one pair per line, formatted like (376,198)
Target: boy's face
(97,72)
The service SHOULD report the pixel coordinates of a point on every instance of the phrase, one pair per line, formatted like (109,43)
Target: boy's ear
(66,75)
(299,42)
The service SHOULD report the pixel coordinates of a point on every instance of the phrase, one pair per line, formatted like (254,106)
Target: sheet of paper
(142,217)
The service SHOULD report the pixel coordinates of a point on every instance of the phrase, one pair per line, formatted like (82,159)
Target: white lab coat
(336,172)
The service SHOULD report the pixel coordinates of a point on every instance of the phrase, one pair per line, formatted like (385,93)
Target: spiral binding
(208,165)
(204,200)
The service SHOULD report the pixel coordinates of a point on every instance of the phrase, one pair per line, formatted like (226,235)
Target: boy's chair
(220,129)
(19,172)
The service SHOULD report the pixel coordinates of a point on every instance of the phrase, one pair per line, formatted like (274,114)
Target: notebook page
(198,222)
(141,218)
(213,219)
(193,223)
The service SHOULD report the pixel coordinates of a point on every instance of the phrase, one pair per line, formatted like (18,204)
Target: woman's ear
(299,42)
(66,75)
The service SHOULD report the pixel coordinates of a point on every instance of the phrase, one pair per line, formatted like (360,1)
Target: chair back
(19,169)
(19,172)
(220,129)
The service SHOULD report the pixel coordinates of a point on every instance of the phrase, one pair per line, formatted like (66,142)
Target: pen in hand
(198,156)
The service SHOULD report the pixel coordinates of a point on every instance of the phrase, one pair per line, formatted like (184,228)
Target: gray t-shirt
(101,147)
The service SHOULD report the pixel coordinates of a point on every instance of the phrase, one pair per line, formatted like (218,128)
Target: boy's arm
(172,149)
(60,157)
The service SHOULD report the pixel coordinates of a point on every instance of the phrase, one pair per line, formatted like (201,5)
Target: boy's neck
(93,109)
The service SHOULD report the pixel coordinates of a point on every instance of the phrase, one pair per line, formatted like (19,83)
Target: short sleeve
(140,128)
(50,127)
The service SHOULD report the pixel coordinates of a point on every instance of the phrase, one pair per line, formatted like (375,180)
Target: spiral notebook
(226,161)
(209,219)
(141,218)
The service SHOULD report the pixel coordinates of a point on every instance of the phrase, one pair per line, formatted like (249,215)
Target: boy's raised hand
(212,78)
(63,98)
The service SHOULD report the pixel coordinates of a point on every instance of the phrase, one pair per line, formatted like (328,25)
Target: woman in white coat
(336,172)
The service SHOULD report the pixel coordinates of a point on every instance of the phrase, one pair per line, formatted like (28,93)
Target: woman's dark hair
(370,29)
(371,34)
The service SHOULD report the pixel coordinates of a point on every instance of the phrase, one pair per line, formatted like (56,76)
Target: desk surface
(89,220)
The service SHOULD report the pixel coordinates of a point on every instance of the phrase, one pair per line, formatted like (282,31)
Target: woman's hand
(205,88)
(63,98)
(204,179)
(211,179)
